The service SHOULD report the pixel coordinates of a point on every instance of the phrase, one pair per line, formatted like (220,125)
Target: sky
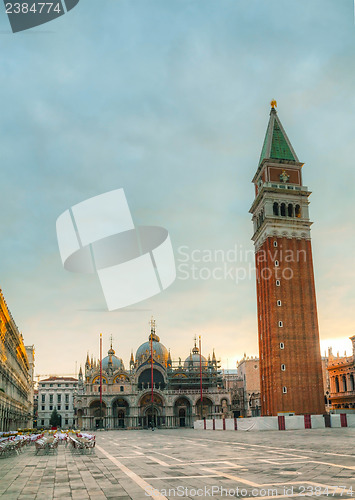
(169,99)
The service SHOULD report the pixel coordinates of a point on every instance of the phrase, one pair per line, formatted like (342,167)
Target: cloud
(169,100)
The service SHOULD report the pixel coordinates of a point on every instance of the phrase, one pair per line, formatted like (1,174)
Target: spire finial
(152,325)
(153,330)
(195,349)
(273,104)
(111,351)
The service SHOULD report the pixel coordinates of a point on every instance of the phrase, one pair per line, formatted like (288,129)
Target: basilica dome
(160,352)
(112,361)
(193,361)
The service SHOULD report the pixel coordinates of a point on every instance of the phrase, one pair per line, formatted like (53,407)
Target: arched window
(344,383)
(276,208)
(283,209)
(97,380)
(336,384)
(298,211)
(144,380)
(290,210)
(352,383)
(260,219)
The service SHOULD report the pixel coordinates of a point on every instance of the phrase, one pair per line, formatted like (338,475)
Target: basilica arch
(151,413)
(97,414)
(182,412)
(121,378)
(145,378)
(207,407)
(120,413)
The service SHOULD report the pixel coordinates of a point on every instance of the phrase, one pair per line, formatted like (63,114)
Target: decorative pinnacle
(273,104)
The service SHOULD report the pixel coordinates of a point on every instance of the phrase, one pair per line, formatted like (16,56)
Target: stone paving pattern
(126,462)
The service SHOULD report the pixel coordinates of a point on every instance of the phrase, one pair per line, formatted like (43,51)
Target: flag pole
(151,371)
(101,416)
(199,340)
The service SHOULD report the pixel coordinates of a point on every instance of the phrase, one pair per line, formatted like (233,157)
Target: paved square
(191,464)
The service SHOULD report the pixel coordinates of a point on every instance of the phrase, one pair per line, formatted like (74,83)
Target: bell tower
(290,360)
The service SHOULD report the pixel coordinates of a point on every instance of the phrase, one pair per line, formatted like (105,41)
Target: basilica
(127,400)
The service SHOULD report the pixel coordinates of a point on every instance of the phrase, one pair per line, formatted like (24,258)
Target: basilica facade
(127,400)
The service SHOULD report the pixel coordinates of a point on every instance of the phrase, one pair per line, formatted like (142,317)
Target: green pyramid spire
(276,145)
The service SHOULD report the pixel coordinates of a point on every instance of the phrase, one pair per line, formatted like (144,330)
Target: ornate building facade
(127,393)
(16,384)
(342,380)
(289,349)
(246,391)
(56,393)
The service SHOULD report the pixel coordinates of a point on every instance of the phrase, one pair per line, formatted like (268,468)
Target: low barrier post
(307,422)
(281,420)
(343,420)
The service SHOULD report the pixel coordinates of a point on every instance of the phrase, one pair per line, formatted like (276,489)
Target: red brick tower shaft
(290,360)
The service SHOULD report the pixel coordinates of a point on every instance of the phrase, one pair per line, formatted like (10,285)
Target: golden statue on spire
(273,104)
